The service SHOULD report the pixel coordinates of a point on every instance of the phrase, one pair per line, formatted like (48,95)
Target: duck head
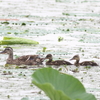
(76,57)
(7,50)
(49,56)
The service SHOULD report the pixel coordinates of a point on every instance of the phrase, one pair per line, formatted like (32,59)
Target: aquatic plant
(16,40)
(23,24)
(60,86)
(44,49)
(60,38)
(25,98)
(6,23)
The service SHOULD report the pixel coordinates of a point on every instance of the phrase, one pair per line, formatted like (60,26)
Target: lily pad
(60,86)
(16,40)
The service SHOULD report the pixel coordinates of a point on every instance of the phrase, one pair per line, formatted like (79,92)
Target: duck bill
(3,52)
(72,59)
(40,60)
(43,59)
(46,58)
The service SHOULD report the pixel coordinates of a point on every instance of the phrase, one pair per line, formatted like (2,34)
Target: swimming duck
(57,62)
(84,63)
(22,60)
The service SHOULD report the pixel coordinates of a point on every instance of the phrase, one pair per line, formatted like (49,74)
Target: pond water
(76,22)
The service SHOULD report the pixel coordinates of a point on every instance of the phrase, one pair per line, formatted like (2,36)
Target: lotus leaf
(16,40)
(60,86)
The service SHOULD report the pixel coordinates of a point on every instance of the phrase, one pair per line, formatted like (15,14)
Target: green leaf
(26,98)
(60,86)
(16,40)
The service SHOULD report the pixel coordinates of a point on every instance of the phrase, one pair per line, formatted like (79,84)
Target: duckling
(57,62)
(84,63)
(23,60)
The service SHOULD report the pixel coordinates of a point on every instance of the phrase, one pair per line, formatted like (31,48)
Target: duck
(22,60)
(84,63)
(56,62)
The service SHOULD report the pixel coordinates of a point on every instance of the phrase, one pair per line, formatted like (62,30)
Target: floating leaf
(59,86)
(25,98)
(16,40)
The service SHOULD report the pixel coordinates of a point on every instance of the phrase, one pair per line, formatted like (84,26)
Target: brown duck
(84,63)
(57,62)
(22,60)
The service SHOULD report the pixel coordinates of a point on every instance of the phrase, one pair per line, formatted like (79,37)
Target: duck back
(58,62)
(86,63)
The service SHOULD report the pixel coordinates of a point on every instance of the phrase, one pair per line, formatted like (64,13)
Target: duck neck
(77,63)
(50,60)
(10,57)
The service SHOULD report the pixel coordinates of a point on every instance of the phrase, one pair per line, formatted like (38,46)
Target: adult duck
(84,63)
(22,60)
(56,62)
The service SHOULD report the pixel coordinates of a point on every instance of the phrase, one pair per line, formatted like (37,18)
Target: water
(77,22)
